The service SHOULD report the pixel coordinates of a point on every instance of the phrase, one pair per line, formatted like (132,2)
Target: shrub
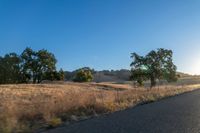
(83,75)
(54,122)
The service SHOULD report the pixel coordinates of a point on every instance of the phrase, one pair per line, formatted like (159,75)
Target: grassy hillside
(104,76)
(27,108)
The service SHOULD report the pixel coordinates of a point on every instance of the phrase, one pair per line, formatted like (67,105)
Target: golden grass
(25,108)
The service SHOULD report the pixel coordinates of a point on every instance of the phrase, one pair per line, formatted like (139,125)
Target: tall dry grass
(26,108)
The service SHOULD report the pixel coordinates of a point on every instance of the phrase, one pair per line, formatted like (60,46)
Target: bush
(83,75)
(54,122)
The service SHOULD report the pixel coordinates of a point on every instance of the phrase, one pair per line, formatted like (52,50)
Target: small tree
(60,75)
(83,75)
(10,71)
(156,65)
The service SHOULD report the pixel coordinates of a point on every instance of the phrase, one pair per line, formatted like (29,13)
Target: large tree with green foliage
(31,65)
(156,65)
(46,63)
(37,63)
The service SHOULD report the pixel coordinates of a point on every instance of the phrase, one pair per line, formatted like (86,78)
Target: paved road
(180,114)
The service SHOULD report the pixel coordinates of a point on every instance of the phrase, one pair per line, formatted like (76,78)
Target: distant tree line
(30,66)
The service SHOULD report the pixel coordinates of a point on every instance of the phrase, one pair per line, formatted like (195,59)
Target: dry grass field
(27,108)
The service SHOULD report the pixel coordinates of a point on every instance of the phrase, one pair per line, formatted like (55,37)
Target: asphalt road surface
(180,114)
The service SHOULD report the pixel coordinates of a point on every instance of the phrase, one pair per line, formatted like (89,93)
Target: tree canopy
(37,63)
(30,66)
(156,65)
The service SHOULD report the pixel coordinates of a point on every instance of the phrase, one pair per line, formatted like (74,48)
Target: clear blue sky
(102,33)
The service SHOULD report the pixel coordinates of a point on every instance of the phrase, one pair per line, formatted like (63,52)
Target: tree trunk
(34,80)
(153,82)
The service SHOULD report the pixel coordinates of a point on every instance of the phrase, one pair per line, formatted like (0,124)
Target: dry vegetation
(25,108)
